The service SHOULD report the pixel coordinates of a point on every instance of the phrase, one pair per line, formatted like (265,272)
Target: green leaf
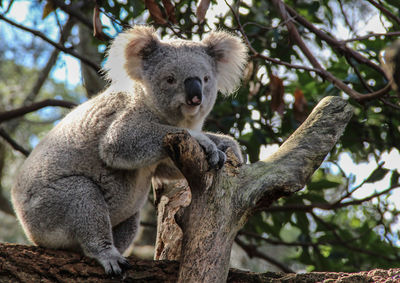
(378,174)
(394,179)
(323,184)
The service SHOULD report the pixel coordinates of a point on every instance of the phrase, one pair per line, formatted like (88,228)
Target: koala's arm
(130,143)
(224,141)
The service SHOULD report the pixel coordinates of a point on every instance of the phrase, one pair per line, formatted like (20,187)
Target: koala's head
(180,78)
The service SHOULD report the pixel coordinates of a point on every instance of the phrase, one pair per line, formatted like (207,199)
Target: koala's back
(67,160)
(70,148)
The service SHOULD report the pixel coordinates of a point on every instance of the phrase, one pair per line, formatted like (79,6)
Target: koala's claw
(117,267)
(125,265)
(113,262)
(222,159)
(216,159)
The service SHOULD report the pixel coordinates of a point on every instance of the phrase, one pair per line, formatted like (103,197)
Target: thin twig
(114,20)
(277,242)
(390,104)
(284,9)
(387,34)
(317,67)
(338,45)
(252,251)
(74,11)
(385,11)
(346,244)
(5,204)
(59,46)
(325,206)
(360,77)
(261,56)
(9,7)
(44,73)
(13,143)
(345,16)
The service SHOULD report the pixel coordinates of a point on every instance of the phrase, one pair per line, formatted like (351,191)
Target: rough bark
(20,263)
(222,200)
(169,233)
(33,264)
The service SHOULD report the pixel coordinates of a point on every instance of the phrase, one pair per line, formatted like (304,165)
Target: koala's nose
(193,91)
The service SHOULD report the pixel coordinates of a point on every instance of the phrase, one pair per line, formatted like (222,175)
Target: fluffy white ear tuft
(230,54)
(124,57)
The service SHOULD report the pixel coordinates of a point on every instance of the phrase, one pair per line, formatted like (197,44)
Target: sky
(69,72)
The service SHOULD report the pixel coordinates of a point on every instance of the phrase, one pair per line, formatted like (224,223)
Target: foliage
(329,225)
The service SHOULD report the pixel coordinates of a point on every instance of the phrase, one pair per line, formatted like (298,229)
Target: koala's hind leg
(90,224)
(125,232)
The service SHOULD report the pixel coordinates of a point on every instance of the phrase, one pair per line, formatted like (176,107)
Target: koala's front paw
(235,148)
(224,142)
(217,164)
(215,157)
(113,262)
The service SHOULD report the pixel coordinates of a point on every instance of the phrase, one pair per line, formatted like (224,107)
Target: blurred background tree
(345,219)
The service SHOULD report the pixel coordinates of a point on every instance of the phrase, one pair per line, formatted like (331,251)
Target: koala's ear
(127,51)
(230,54)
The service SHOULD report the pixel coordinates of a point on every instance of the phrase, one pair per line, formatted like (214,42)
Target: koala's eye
(170,79)
(206,78)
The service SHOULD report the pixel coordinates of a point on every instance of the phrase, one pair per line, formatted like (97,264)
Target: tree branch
(360,77)
(252,251)
(346,20)
(11,114)
(264,57)
(5,204)
(387,34)
(74,11)
(296,160)
(346,244)
(338,45)
(13,143)
(318,69)
(284,9)
(59,46)
(325,206)
(385,11)
(27,263)
(44,73)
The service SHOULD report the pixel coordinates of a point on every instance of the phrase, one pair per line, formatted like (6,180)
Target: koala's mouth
(190,110)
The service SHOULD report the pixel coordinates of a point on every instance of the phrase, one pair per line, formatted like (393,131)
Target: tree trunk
(222,200)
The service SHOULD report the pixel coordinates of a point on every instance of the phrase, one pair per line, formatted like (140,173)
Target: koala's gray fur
(84,184)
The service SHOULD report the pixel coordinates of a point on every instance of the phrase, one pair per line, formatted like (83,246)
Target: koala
(83,185)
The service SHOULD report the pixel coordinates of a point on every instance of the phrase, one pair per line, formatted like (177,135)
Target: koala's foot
(113,262)
(215,157)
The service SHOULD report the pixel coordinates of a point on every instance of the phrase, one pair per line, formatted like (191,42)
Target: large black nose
(193,91)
